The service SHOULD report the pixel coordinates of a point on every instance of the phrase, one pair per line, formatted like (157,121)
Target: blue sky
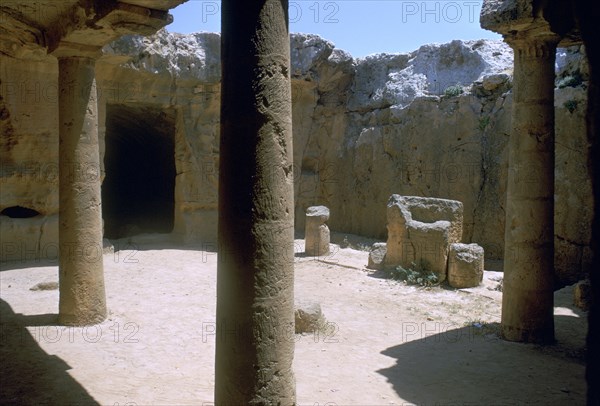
(361,27)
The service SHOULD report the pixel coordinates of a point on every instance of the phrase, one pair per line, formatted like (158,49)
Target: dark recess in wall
(138,191)
(19,212)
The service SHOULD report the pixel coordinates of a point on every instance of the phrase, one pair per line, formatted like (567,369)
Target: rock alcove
(138,191)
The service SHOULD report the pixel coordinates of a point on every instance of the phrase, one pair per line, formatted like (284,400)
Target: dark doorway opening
(138,192)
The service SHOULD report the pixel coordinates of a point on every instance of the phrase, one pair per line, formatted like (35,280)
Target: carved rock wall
(433,123)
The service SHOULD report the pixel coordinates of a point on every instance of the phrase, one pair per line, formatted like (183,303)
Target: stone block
(308,317)
(377,255)
(465,265)
(420,231)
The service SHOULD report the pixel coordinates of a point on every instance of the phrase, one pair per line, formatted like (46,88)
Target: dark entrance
(138,191)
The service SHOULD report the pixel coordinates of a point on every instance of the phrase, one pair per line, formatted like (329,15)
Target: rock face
(364,129)
(496,13)
(465,265)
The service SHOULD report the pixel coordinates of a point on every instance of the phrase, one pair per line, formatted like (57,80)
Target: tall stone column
(255,282)
(81,274)
(527,304)
(588,18)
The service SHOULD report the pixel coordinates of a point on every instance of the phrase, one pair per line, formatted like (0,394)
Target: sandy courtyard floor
(391,344)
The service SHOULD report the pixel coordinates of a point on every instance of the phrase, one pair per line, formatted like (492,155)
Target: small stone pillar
(527,304)
(81,271)
(582,294)
(465,265)
(316,231)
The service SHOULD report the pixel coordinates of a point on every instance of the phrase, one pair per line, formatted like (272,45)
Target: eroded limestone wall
(363,130)
(196,105)
(29,157)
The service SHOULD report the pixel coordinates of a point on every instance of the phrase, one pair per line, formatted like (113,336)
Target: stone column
(527,305)
(255,279)
(588,20)
(81,274)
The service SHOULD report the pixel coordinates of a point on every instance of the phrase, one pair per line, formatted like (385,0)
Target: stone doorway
(138,192)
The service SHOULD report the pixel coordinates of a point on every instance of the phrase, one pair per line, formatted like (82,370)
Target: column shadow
(471,365)
(29,375)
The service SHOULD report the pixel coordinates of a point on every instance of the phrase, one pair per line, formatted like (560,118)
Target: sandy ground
(390,344)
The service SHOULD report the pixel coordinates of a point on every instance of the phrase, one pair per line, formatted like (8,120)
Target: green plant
(483,123)
(454,90)
(571,105)
(363,247)
(417,274)
(573,80)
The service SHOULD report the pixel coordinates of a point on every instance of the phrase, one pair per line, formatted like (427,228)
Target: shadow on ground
(438,365)
(28,375)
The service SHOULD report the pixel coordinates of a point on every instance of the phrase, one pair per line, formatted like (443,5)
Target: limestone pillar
(527,305)
(316,234)
(255,280)
(81,275)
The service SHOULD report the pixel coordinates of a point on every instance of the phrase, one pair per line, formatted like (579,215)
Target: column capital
(535,46)
(74,50)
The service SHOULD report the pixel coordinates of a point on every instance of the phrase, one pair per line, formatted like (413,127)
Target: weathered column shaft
(588,20)
(81,274)
(527,305)
(255,300)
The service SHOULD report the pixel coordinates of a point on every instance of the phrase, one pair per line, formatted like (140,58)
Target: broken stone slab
(465,265)
(317,236)
(377,255)
(431,210)
(503,15)
(317,213)
(308,317)
(493,82)
(420,231)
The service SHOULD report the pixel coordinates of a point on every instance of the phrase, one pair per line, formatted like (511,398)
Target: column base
(517,334)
